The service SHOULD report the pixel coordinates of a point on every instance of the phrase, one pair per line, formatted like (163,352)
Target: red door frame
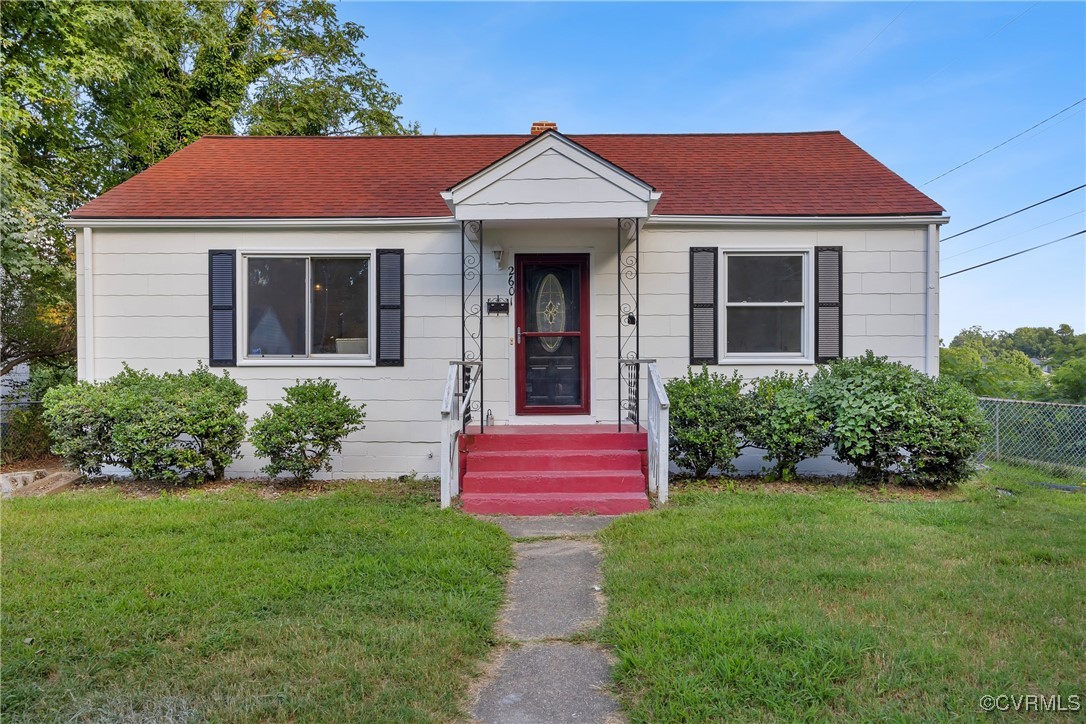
(520,381)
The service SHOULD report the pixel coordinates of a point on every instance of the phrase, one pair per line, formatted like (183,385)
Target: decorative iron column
(471,310)
(629,308)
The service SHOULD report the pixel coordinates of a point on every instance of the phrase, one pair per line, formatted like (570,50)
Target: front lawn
(847,603)
(354,605)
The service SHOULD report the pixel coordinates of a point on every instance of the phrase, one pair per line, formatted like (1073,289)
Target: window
(769,306)
(766,305)
(308,307)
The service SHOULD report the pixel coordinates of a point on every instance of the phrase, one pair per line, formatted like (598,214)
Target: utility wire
(1032,248)
(1001,28)
(879,34)
(1007,216)
(1078,102)
(1011,236)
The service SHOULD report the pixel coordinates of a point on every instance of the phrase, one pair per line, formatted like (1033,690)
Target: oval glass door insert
(550,311)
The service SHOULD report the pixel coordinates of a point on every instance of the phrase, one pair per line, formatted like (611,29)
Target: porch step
(554,503)
(553,470)
(620,481)
(554,460)
(549,438)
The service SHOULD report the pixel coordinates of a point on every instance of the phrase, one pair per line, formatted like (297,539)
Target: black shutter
(828,323)
(703,305)
(390,307)
(222,321)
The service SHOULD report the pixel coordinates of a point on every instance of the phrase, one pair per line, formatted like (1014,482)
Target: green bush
(888,419)
(786,422)
(709,415)
(300,434)
(24,436)
(168,427)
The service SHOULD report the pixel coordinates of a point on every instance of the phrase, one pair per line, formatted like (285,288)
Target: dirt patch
(815,486)
(264,488)
(48,463)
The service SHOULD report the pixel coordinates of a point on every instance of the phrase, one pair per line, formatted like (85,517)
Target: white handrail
(452,415)
(658,423)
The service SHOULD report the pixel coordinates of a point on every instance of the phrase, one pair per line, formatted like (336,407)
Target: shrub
(161,427)
(786,422)
(708,417)
(944,436)
(300,434)
(887,418)
(24,435)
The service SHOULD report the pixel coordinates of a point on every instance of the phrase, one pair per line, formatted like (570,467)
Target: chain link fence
(1036,432)
(23,435)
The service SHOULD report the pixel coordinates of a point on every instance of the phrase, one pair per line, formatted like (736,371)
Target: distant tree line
(1013,364)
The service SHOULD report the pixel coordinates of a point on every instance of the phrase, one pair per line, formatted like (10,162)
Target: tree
(1069,381)
(94,92)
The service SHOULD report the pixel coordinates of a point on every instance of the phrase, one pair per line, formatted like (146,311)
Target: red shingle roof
(788,174)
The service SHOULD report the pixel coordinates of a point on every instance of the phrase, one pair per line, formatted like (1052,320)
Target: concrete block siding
(151,306)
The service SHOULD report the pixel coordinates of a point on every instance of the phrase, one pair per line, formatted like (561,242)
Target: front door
(552,339)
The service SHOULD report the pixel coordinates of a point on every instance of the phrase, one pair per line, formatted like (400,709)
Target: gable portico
(562,225)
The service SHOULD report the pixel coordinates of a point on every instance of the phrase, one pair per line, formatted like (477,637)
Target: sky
(922,86)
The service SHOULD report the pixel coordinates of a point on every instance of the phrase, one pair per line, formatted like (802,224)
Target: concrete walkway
(547,676)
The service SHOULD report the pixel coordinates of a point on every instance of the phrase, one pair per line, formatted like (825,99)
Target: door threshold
(553,420)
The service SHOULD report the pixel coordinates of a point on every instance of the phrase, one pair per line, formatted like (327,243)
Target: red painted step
(628,481)
(553,469)
(554,460)
(554,503)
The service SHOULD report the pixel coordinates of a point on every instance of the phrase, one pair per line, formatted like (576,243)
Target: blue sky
(922,86)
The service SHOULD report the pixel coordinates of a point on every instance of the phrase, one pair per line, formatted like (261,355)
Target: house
(395,265)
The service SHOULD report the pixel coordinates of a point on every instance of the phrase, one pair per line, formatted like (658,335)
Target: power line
(1001,28)
(1007,216)
(1011,236)
(1032,248)
(1078,102)
(879,34)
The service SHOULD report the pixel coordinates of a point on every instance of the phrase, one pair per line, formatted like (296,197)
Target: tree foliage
(93,92)
(1009,364)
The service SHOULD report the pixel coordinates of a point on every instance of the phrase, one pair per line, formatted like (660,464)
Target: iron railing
(1035,432)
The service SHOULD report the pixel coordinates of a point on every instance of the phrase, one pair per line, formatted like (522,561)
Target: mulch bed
(48,463)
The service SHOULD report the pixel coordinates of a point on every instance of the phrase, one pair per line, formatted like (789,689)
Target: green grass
(352,605)
(847,603)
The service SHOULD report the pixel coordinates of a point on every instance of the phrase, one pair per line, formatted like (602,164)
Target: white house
(375,261)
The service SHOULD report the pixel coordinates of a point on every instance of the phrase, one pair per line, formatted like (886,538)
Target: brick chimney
(541,126)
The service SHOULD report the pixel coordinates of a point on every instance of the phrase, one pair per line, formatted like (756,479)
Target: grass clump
(751,605)
(354,605)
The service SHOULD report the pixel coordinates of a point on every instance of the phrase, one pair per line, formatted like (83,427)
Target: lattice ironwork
(1036,432)
(471,311)
(628,252)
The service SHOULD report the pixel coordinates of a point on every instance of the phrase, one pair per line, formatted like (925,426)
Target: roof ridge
(699,134)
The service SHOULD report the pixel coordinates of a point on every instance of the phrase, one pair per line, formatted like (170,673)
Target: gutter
(88,304)
(213,223)
(931,305)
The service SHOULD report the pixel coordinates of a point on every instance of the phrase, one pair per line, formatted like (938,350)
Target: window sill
(266,362)
(777,361)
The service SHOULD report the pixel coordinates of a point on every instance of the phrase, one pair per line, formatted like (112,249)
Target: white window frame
(310,360)
(806,353)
